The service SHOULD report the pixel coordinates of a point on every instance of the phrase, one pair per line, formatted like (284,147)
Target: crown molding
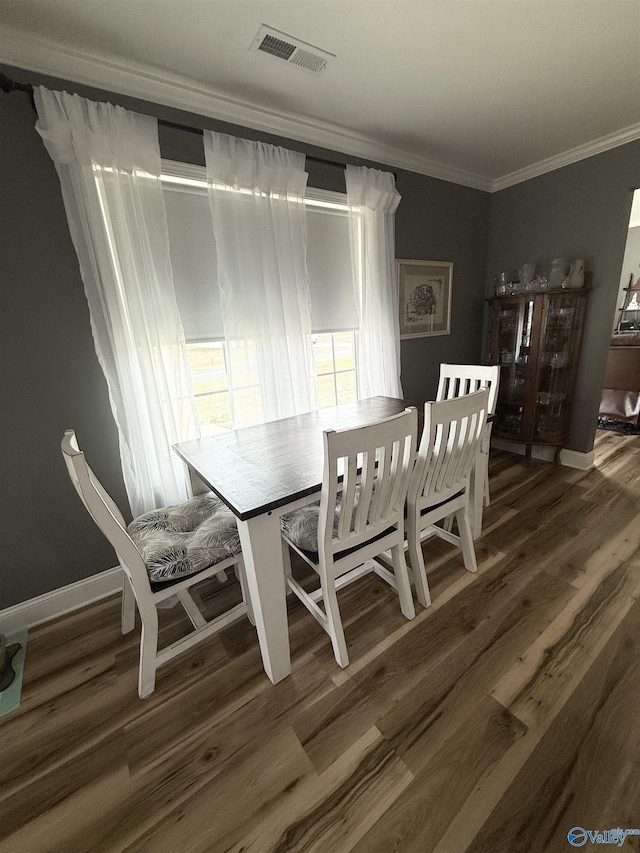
(573,155)
(135,80)
(157,86)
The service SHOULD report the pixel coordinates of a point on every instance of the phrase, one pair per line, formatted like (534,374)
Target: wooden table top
(259,468)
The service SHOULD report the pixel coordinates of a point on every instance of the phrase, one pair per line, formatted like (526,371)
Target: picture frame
(424,293)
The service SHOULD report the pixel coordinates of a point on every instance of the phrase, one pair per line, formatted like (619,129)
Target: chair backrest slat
(367,479)
(453,430)
(372,510)
(349,484)
(384,483)
(394,480)
(457,380)
(378,458)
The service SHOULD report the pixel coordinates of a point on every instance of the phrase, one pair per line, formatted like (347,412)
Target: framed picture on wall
(425,297)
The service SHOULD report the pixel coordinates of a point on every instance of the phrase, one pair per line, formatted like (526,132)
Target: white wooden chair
(360,515)
(457,380)
(137,586)
(440,485)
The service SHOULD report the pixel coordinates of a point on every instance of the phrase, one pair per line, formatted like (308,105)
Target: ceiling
(482,92)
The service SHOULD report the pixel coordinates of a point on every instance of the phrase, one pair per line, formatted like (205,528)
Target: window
(335,360)
(217,406)
(226,391)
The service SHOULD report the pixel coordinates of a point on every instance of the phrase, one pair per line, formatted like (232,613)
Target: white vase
(575,279)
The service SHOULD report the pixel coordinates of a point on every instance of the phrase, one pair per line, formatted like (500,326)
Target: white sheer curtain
(373,199)
(256,194)
(108,162)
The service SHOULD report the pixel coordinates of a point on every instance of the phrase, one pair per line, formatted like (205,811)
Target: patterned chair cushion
(178,541)
(301,528)
(301,525)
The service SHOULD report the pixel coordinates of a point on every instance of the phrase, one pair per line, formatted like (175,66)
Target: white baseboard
(56,603)
(570,458)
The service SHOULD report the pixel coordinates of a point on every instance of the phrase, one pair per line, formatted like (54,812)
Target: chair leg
(193,612)
(487,496)
(128,605)
(486,447)
(403,585)
(148,651)
(242,580)
(334,624)
(417,564)
(286,561)
(466,540)
(477,487)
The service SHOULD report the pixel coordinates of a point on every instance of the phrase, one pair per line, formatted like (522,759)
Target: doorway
(620,403)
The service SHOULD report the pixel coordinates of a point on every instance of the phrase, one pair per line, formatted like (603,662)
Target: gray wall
(50,377)
(439,221)
(51,380)
(579,211)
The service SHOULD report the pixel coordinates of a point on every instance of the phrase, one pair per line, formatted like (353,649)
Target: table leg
(262,552)
(197,485)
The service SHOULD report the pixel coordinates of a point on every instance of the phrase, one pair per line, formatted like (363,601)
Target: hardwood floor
(497,720)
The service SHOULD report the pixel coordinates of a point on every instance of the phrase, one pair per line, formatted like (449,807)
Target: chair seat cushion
(178,541)
(301,527)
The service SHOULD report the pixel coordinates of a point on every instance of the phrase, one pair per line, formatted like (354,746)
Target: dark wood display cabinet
(536,340)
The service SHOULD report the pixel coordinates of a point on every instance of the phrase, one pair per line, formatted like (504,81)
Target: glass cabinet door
(512,349)
(555,366)
(536,340)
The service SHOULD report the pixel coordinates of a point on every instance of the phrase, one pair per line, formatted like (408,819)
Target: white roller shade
(333,306)
(193,257)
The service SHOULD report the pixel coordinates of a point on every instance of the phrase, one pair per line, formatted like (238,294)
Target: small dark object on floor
(7,654)
(619,426)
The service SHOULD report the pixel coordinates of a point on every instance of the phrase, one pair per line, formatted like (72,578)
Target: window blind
(193,258)
(333,306)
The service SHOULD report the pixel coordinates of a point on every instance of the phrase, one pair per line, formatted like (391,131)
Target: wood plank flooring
(497,720)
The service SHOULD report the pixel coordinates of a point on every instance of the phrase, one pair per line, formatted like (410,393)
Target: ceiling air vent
(291,50)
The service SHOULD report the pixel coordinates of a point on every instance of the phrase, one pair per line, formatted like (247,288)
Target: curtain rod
(7,85)
(198,130)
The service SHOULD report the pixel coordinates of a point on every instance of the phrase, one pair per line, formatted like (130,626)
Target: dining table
(262,472)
